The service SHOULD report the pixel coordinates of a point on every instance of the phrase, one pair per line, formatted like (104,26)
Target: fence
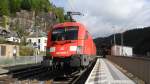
(139,67)
(19,60)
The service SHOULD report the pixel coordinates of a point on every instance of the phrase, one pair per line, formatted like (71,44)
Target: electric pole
(114,37)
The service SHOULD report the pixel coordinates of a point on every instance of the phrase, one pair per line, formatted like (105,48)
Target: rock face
(25,23)
(28,21)
(25,16)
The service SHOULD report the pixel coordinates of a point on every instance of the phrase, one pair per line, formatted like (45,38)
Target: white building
(117,50)
(39,41)
(10,36)
(13,39)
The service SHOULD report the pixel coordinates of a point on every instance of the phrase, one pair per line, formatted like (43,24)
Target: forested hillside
(10,7)
(25,16)
(139,39)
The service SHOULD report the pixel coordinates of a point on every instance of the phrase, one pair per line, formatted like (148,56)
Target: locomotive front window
(65,33)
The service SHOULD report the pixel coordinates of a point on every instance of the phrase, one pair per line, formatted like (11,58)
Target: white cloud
(101,15)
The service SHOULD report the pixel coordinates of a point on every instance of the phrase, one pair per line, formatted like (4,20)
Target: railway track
(77,77)
(10,80)
(6,79)
(28,73)
(39,74)
(24,75)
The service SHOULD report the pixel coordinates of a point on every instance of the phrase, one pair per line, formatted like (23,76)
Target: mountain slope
(139,39)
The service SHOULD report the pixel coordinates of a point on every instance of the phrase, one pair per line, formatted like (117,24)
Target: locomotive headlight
(73,48)
(79,48)
(52,49)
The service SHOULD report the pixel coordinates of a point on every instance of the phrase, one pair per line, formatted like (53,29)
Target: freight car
(69,44)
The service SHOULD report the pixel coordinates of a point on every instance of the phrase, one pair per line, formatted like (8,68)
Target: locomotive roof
(68,24)
(71,24)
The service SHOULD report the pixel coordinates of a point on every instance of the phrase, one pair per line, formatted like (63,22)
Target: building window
(3,50)
(35,45)
(39,40)
(30,41)
(44,48)
(45,41)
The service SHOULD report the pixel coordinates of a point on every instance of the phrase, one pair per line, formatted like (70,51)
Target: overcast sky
(104,17)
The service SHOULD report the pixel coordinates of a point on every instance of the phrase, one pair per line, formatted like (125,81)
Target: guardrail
(19,60)
(138,66)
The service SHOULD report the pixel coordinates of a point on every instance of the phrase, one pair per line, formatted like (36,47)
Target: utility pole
(36,46)
(122,39)
(114,35)
(122,42)
(114,38)
(36,32)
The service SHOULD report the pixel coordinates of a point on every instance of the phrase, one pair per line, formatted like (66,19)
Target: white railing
(19,60)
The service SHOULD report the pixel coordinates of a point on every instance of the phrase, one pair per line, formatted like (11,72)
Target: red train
(70,44)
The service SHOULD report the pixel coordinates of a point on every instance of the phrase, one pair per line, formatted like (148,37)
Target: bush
(2,40)
(26,51)
(42,53)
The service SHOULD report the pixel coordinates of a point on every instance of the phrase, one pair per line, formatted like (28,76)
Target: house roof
(39,34)
(7,32)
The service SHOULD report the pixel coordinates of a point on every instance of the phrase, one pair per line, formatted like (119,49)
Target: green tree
(45,5)
(5,21)
(59,12)
(14,5)
(21,31)
(4,8)
(26,5)
(35,5)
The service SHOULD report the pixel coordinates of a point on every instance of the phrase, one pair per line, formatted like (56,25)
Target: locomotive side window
(65,33)
(39,40)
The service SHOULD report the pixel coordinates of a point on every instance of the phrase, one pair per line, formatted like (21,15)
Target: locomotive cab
(69,44)
(64,41)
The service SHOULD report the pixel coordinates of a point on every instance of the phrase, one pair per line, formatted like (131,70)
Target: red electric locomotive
(70,44)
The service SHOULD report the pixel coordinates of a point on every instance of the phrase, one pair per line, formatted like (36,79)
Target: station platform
(104,72)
